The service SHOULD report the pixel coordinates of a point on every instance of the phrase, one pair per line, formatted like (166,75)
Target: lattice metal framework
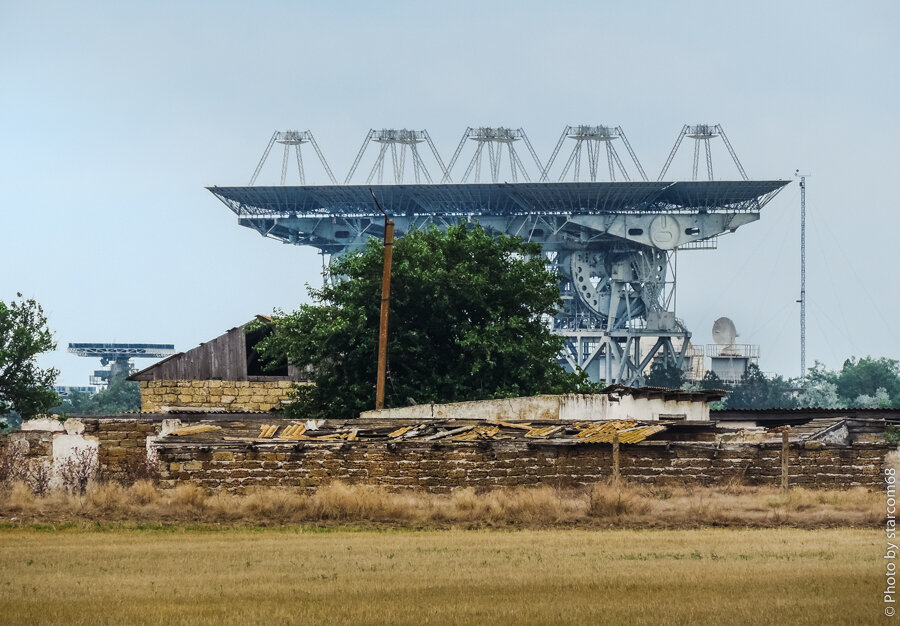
(590,142)
(292,139)
(398,143)
(495,143)
(612,242)
(118,356)
(113,351)
(702,134)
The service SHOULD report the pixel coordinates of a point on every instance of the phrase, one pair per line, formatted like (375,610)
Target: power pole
(802,299)
(385,305)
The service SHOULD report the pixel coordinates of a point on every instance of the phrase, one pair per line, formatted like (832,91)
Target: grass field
(180,575)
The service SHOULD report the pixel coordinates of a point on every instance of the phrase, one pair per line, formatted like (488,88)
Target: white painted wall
(43,423)
(572,407)
(68,440)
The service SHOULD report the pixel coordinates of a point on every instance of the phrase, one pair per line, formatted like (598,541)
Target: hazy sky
(115,115)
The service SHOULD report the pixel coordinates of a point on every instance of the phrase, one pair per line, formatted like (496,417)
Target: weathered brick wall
(442,467)
(233,395)
(35,444)
(122,441)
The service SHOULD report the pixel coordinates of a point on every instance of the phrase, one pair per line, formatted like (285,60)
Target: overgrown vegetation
(74,474)
(467,322)
(604,504)
(79,469)
(892,435)
(867,382)
(15,466)
(861,383)
(755,390)
(120,396)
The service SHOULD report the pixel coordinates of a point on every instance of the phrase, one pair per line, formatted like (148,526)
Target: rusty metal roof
(436,431)
(628,431)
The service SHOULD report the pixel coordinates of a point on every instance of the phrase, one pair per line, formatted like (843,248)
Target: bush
(892,435)
(616,500)
(79,469)
(12,463)
(37,477)
(139,468)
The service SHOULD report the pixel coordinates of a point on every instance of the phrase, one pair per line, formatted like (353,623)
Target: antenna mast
(802,299)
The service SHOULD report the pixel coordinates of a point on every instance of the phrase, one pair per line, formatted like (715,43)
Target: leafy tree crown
(25,388)
(468,313)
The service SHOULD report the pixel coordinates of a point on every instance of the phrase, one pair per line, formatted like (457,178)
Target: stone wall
(122,442)
(232,395)
(34,444)
(441,467)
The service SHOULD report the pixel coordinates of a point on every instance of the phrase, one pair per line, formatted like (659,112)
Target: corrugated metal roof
(628,431)
(434,431)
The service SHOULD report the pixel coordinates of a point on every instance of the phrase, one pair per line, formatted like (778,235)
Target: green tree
(820,389)
(664,374)
(25,388)
(119,396)
(881,400)
(864,377)
(467,322)
(757,391)
(712,381)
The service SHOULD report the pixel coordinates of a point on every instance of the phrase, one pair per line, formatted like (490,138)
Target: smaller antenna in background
(802,299)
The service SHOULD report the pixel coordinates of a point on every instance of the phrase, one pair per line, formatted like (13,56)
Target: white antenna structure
(802,299)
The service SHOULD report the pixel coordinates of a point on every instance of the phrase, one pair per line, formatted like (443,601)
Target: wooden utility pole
(615,451)
(385,305)
(785,453)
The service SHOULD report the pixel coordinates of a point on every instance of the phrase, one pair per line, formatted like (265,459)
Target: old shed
(223,373)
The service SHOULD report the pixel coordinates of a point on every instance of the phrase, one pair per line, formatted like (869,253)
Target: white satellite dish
(724,333)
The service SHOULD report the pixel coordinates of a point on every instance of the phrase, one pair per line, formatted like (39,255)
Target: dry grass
(604,505)
(708,576)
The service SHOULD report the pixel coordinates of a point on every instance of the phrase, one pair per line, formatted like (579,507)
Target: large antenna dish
(724,333)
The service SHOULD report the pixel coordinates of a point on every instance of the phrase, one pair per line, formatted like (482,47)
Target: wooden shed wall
(222,358)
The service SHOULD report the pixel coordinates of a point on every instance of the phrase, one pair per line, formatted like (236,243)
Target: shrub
(37,477)
(139,467)
(12,463)
(188,496)
(144,492)
(616,500)
(77,471)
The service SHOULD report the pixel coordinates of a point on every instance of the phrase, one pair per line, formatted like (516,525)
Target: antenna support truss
(292,139)
(703,133)
(399,143)
(495,142)
(593,140)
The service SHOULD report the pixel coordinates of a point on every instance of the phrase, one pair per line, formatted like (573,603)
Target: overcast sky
(115,115)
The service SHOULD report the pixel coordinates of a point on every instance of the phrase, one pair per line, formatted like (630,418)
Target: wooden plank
(447,433)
